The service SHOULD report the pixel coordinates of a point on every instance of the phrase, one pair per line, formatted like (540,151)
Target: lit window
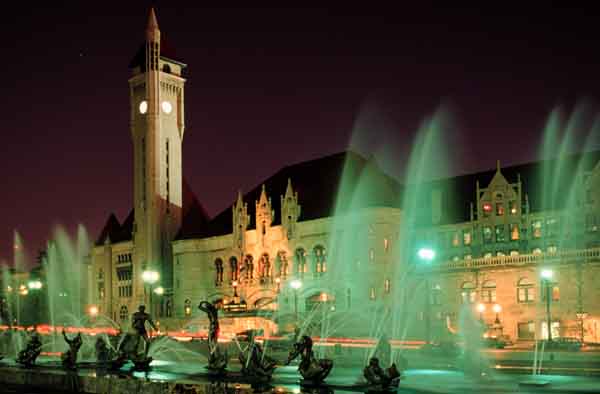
(487,255)
(187,307)
(487,234)
(386,285)
(500,233)
(372,294)
(123,313)
(487,208)
(467,237)
(500,254)
(536,228)
(514,232)
(386,244)
(590,223)
(499,209)
(468,257)
(455,258)
(468,293)
(488,292)
(551,227)
(514,252)
(525,291)
(552,249)
(536,251)
(456,239)
(512,207)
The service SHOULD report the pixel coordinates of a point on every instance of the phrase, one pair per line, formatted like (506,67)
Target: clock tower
(156,96)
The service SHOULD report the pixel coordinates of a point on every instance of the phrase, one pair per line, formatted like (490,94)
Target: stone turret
(264,215)
(241,221)
(290,210)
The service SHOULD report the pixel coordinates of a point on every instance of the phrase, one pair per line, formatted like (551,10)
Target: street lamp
(497,309)
(235,285)
(296,284)
(159,290)
(547,275)
(427,255)
(481,309)
(150,277)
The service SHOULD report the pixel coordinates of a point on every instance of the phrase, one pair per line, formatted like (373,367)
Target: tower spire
(152,23)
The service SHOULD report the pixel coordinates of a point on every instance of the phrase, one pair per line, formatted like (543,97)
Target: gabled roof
(317,183)
(110,230)
(194,216)
(537,178)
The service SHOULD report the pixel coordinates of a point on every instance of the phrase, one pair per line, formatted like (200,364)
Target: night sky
(271,87)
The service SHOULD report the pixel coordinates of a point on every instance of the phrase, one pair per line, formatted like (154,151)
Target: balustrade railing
(565,256)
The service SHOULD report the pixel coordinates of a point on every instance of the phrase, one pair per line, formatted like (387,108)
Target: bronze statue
(103,353)
(32,350)
(311,368)
(69,358)
(217,361)
(254,362)
(138,323)
(377,376)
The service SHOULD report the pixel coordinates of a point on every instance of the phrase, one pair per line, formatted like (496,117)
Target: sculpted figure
(32,350)
(69,358)
(254,362)
(216,360)
(311,368)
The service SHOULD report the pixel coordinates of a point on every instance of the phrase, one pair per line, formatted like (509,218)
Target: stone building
(334,228)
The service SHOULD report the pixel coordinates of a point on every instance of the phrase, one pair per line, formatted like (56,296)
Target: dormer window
(512,206)
(498,196)
(499,209)
(487,209)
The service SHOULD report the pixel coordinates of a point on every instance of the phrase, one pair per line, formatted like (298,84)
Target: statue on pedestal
(217,361)
(69,358)
(377,376)
(254,362)
(312,369)
(32,350)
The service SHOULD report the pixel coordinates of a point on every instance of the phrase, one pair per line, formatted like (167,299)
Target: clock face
(143,107)
(166,107)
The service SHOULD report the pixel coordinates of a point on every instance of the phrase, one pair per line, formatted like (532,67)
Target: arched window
(386,285)
(187,307)
(218,271)
(100,274)
(301,268)
(233,266)
(320,261)
(468,293)
(248,267)
(525,290)
(488,291)
(265,267)
(168,308)
(123,313)
(436,294)
(281,264)
(166,68)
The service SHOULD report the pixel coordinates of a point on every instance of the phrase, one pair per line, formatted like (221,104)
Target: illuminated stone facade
(496,257)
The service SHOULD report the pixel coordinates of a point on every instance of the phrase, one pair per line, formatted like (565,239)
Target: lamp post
(581,316)
(296,285)
(547,275)
(481,309)
(150,278)
(235,285)
(34,286)
(497,309)
(427,255)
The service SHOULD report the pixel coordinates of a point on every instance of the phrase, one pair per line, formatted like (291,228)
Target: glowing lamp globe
(547,274)
(426,254)
(296,284)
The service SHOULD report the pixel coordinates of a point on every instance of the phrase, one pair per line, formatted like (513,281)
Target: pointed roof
(194,216)
(109,231)
(317,183)
(152,22)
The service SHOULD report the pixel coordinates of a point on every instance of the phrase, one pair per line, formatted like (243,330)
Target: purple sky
(269,87)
